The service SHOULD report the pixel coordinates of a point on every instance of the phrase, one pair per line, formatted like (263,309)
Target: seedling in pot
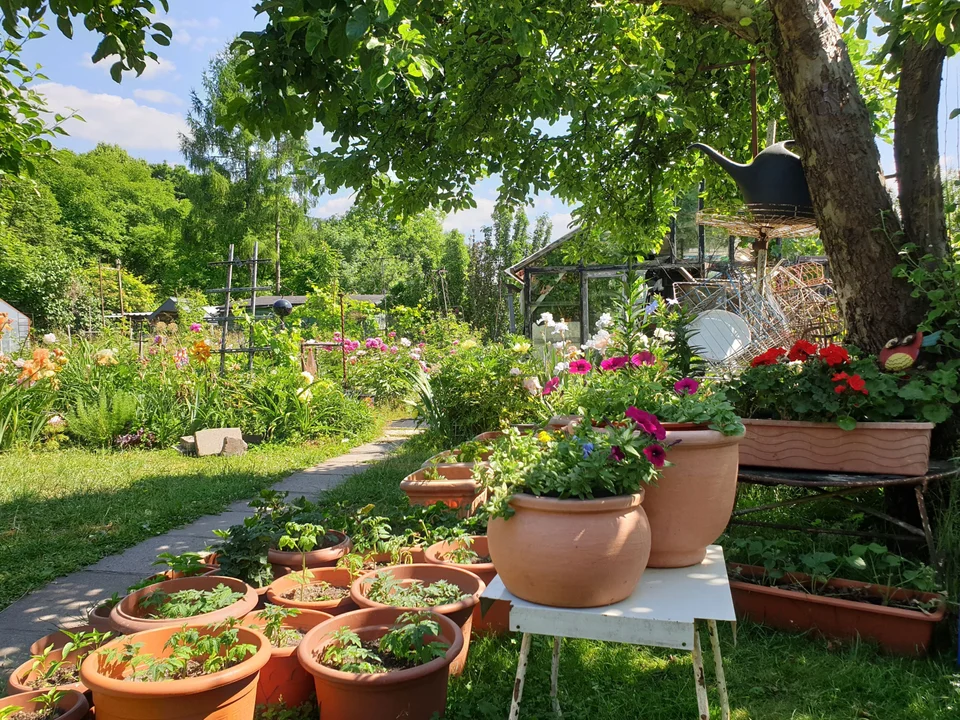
(301,538)
(48,708)
(65,671)
(278,635)
(188,603)
(386,589)
(406,645)
(185,564)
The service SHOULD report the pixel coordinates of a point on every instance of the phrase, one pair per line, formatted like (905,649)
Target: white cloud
(561,225)
(334,206)
(157,97)
(154,69)
(113,119)
(466,221)
(210,23)
(199,39)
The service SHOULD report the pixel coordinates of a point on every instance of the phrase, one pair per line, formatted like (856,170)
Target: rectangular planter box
(897,448)
(896,630)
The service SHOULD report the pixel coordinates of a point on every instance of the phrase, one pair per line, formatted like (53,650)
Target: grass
(771,675)
(63,510)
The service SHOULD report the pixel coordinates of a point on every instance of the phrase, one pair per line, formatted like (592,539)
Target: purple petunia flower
(580,367)
(616,454)
(614,363)
(687,386)
(643,358)
(647,422)
(656,455)
(551,386)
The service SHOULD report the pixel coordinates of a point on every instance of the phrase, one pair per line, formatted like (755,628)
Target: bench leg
(718,668)
(521,674)
(554,677)
(703,704)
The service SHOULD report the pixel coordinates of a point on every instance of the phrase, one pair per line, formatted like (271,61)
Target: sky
(145,114)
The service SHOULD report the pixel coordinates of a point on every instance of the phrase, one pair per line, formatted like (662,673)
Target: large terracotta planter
(895,448)
(22,677)
(283,679)
(99,618)
(460,612)
(73,705)
(418,693)
(690,504)
(571,553)
(226,695)
(896,630)
(324,557)
(334,576)
(497,618)
(127,617)
(459,493)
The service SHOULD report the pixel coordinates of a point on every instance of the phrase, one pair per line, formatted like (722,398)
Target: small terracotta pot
(58,639)
(690,504)
(21,678)
(283,679)
(324,557)
(406,556)
(128,618)
(495,620)
(334,576)
(453,470)
(99,618)
(894,448)
(495,434)
(571,553)
(460,612)
(460,493)
(73,705)
(418,693)
(897,630)
(226,695)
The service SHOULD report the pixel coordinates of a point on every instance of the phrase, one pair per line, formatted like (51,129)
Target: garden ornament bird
(900,354)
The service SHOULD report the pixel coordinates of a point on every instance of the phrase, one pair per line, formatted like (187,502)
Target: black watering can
(773,185)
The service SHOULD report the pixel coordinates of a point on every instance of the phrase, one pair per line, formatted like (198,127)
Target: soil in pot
(201,691)
(473,555)
(72,706)
(49,668)
(333,547)
(571,553)
(395,584)
(283,679)
(197,600)
(328,590)
(690,504)
(416,693)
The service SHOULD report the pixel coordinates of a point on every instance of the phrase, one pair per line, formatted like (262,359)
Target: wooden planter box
(896,630)
(874,448)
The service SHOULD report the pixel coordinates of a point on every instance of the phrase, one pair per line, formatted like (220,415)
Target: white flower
(546,319)
(604,321)
(514,371)
(20,362)
(560,367)
(361,352)
(304,395)
(559,345)
(307,377)
(56,421)
(532,385)
(49,338)
(599,341)
(559,328)
(643,340)
(672,301)
(663,335)
(405,342)
(415,354)
(521,347)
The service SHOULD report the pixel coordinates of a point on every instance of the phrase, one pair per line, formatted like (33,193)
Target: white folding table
(661,612)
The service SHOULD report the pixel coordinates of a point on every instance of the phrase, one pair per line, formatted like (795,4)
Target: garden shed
(17,331)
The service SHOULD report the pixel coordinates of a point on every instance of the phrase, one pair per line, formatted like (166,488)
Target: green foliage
(307,710)
(274,617)
(386,589)
(50,672)
(185,564)
(242,552)
(407,643)
(98,424)
(188,603)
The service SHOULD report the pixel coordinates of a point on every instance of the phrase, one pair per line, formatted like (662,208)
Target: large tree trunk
(916,147)
(858,226)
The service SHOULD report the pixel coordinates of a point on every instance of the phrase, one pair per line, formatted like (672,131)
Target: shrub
(99,423)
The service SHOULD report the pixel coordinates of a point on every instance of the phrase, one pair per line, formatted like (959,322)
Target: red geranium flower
(834,355)
(858,384)
(770,357)
(802,350)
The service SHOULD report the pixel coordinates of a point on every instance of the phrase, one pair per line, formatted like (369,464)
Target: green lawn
(771,675)
(63,510)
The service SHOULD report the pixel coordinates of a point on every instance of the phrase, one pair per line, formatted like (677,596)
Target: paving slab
(140,558)
(205,526)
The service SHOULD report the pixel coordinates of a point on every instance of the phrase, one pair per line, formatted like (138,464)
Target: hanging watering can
(773,185)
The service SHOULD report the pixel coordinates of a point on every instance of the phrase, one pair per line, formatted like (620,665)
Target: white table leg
(554,677)
(718,668)
(521,674)
(701,682)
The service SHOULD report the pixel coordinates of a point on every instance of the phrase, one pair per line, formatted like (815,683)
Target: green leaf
(391,6)
(746,21)
(160,39)
(358,23)
(935,413)
(385,80)
(954,113)
(316,32)
(66,27)
(846,422)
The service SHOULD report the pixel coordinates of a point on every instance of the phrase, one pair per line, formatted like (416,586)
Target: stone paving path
(63,602)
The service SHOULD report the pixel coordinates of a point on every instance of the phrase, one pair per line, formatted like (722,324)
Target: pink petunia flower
(643,358)
(421,345)
(580,367)
(647,422)
(196,327)
(551,386)
(687,386)
(394,349)
(656,455)
(614,363)
(616,454)
(391,334)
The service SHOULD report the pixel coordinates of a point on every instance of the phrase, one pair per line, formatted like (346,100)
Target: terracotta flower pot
(458,492)
(129,618)
(226,695)
(99,618)
(894,448)
(73,705)
(22,678)
(494,434)
(58,639)
(571,553)
(407,556)
(323,557)
(690,503)
(334,576)
(283,679)
(460,612)
(897,630)
(497,618)
(418,693)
